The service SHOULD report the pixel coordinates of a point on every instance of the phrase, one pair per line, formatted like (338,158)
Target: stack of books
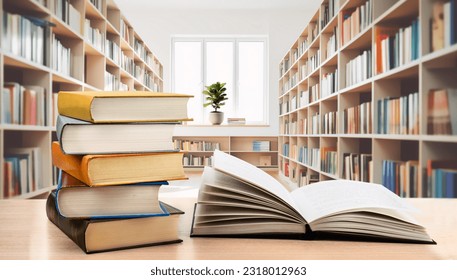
(114,151)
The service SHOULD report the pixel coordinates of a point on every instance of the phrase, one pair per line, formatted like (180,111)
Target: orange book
(111,106)
(117,169)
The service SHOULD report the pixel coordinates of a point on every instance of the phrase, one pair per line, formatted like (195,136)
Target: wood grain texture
(26,233)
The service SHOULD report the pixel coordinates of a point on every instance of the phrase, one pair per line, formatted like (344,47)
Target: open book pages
(237,198)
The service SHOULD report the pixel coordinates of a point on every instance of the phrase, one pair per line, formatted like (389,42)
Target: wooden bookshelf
(302,133)
(239,146)
(89,62)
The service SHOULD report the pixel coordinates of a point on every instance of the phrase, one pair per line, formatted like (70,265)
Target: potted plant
(215,96)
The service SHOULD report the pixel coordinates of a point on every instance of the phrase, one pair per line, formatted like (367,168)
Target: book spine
(75,106)
(75,229)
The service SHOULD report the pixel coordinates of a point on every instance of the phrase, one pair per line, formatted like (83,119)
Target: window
(239,62)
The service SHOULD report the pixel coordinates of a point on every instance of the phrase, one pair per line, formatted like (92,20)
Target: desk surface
(26,233)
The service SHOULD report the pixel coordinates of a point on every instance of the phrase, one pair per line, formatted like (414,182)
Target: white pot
(216,118)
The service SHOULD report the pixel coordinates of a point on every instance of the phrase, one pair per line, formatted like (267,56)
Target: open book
(239,199)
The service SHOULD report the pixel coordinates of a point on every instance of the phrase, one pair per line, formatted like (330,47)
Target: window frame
(235,40)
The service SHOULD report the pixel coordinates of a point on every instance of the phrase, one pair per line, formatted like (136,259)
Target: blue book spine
(449,184)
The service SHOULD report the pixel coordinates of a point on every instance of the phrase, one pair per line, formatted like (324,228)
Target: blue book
(451,183)
(74,199)
(438,183)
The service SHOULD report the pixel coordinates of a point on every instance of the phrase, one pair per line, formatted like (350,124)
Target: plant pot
(216,118)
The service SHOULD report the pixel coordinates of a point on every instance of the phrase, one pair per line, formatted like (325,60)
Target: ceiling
(220,4)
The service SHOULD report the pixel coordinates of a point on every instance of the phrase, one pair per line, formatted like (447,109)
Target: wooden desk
(26,233)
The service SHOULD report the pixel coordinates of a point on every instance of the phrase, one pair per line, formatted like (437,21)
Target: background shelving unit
(87,67)
(303,139)
(239,146)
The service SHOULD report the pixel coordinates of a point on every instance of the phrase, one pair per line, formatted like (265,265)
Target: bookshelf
(261,151)
(90,46)
(362,112)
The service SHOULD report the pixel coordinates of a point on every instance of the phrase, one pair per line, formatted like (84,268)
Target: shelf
(84,57)
(238,146)
(20,62)
(431,71)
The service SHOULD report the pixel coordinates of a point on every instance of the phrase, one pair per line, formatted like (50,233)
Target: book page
(331,197)
(249,173)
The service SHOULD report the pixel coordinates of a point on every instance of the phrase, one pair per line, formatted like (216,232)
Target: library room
(181,131)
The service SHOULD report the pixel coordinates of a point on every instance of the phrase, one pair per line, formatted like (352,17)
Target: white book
(257,204)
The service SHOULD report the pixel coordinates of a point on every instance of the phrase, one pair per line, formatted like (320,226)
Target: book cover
(116,169)
(123,106)
(101,235)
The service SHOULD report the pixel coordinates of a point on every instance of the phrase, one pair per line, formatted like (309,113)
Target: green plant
(215,95)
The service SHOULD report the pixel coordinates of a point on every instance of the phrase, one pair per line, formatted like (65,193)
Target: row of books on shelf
(396,47)
(123,193)
(284,66)
(193,160)
(22,171)
(399,115)
(315,124)
(358,167)
(359,68)
(94,36)
(307,156)
(402,177)
(24,36)
(127,63)
(355,21)
(329,83)
(112,82)
(113,51)
(442,113)
(289,127)
(24,104)
(65,11)
(358,119)
(314,61)
(441,179)
(443,24)
(62,58)
(330,123)
(328,11)
(124,31)
(303,46)
(329,160)
(197,146)
(305,177)
(396,115)
(303,70)
(314,93)
(332,43)
(261,146)
(140,49)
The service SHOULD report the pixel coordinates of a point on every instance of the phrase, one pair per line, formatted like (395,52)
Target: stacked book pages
(114,152)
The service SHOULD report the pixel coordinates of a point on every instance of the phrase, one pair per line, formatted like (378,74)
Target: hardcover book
(81,137)
(117,169)
(238,199)
(123,106)
(77,200)
(99,235)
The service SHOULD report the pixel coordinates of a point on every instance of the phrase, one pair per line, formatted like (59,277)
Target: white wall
(156,26)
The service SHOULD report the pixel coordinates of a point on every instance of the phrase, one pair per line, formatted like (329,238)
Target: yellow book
(122,106)
(118,169)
